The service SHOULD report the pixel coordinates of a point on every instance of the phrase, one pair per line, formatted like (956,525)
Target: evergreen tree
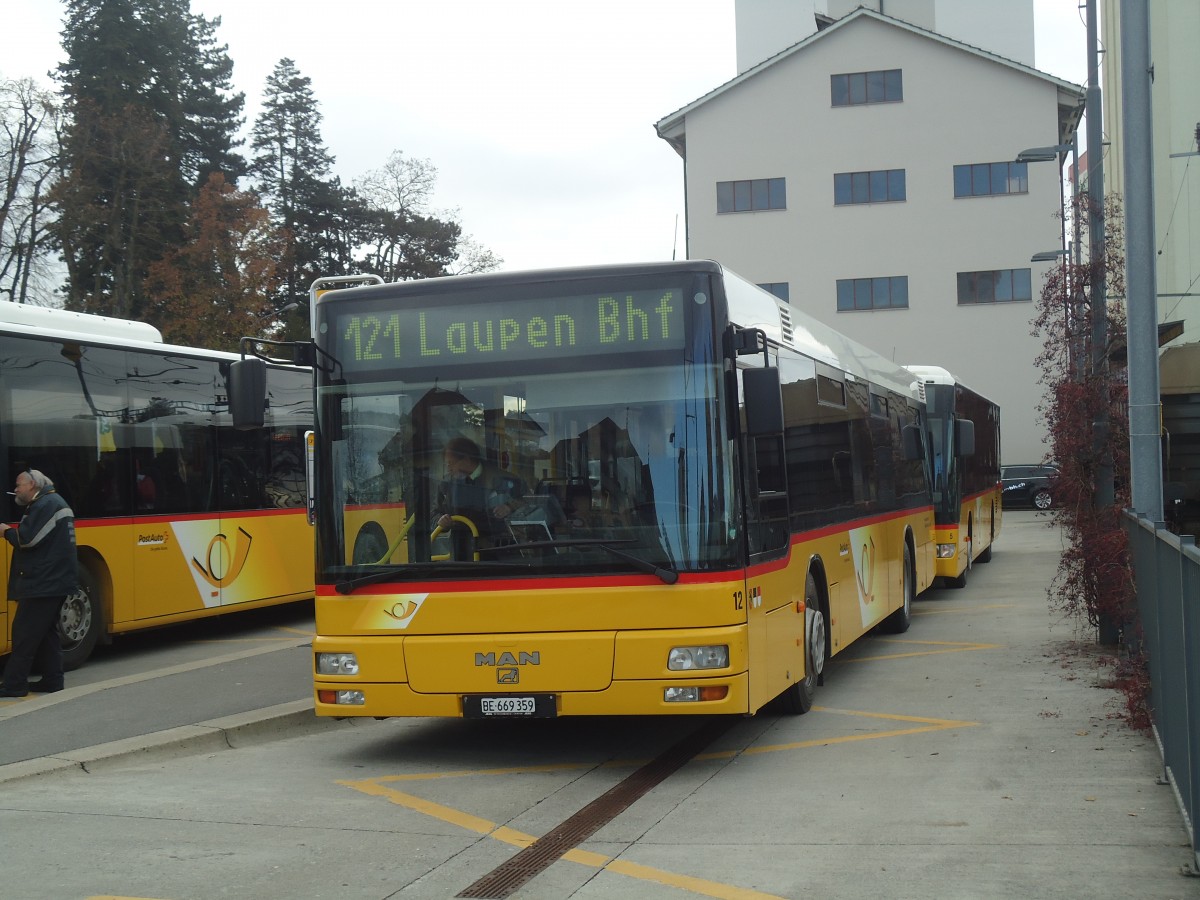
(146,88)
(212,112)
(291,168)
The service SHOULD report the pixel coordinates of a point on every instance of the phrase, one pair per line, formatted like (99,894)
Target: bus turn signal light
(695,694)
(342,698)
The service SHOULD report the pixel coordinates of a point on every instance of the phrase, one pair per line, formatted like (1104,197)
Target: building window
(988,179)
(998,286)
(854,88)
(778,288)
(872,293)
(880,186)
(746,196)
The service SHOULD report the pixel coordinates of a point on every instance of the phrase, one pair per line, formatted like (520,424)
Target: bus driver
(475,489)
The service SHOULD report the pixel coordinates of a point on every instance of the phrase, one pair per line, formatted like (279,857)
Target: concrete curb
(244,729)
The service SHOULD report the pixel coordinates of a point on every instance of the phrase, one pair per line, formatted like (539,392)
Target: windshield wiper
(668,576)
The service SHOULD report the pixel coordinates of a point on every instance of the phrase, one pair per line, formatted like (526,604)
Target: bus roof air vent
(785,323)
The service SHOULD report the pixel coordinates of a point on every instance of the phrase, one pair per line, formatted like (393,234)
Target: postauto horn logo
(218,553)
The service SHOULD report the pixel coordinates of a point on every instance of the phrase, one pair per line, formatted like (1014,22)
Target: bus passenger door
(775,624)
(177,545)
(264,547)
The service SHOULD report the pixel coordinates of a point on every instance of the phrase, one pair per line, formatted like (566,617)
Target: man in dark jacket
(41,578)
(475,490)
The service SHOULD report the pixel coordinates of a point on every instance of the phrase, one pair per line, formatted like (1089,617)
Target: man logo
(522,658)
(508,676)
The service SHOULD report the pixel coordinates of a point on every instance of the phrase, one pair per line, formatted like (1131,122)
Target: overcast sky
(538,114)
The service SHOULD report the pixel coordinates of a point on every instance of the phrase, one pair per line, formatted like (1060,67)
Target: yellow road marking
(961,609)
(261,640)
(447,814)
(925,725)
(514,770)
(515,838)
(943,647)
(377,787)
(304,632)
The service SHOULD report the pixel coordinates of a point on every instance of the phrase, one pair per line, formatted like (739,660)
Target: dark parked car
(1029,485)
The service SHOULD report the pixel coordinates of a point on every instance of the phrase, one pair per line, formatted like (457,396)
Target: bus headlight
(946,551)
(711,656)
(337,664)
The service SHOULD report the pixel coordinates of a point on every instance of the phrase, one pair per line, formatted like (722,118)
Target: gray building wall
(959,107)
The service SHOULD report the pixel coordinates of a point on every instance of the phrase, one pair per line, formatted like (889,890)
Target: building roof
(672,128)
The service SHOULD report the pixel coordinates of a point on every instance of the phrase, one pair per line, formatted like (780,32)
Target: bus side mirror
(764,401)
(247,393)
(910,439)
(964,437)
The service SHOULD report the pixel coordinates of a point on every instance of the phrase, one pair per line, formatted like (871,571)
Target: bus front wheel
(798,698)
(80,621)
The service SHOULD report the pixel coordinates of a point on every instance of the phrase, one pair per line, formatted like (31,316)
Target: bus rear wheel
(80,621)
(898,622)
(960,581)
(798,698)
(986,555)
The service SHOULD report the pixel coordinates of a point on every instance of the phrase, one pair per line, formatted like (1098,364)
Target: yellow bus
(964,442)
(706,495)
(178,515)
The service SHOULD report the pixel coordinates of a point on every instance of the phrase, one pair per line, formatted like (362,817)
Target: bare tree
(473,258)
(400,237)
(402,185)
(30,122)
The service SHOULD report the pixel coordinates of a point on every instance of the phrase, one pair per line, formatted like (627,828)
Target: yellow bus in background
(178,515)
(718,494)
(964,441)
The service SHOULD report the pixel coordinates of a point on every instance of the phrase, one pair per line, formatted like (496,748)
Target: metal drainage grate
(542,853)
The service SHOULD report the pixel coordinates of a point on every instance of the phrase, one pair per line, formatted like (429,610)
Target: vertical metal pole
(1076,287)
(1189,585)
(1145,449)
(1102,497)
(1068,276)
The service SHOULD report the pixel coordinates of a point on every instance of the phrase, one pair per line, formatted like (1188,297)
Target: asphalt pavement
(982,754)
(194,687)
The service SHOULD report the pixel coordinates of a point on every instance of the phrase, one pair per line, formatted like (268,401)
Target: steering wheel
(438,531)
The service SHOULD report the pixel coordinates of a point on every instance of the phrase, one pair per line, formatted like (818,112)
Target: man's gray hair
(40,481)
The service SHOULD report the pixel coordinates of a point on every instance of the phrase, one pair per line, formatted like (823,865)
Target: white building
(1175,100)
(1004,27)
(865,173)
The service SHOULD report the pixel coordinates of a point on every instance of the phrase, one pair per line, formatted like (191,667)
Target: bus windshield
(602,464)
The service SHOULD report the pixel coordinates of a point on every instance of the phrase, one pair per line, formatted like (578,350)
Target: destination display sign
(385,337)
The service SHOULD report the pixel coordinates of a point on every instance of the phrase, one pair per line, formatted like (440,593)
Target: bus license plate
(536,705)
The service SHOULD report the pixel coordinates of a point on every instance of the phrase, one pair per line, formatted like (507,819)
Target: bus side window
(767,500)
